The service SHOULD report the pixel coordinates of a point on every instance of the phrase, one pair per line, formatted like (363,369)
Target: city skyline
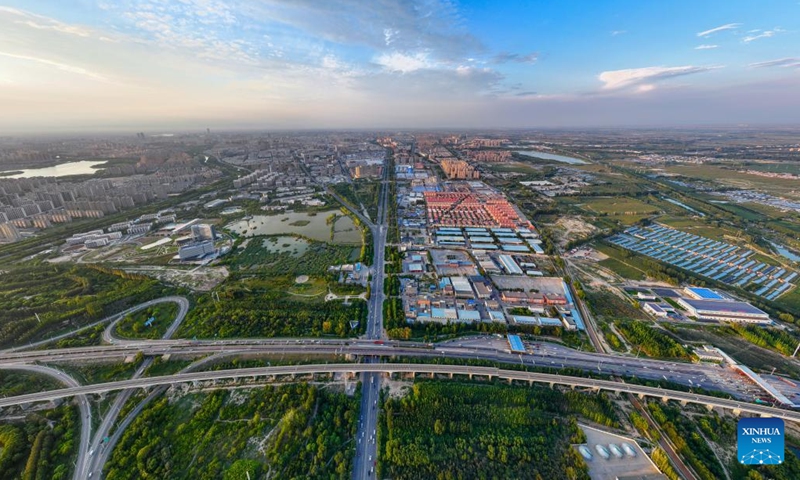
(95,65)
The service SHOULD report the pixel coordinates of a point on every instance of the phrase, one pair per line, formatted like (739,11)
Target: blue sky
(116,64)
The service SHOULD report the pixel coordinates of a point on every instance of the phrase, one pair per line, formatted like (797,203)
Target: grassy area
(291,431)
(65,297)
(790,300)
(308,291)
(618,263)
(102,372)
(622,269)
(133,325)
(161,367)
(259,306)
(15,382)
(87,338)
(619,206)
(605,305)
(463,430)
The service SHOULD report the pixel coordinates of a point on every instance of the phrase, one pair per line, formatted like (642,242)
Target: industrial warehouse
(716,260)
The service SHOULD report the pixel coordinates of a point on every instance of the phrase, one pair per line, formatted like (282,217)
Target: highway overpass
(353,368)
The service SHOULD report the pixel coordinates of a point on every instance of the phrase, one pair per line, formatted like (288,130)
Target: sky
(72,65)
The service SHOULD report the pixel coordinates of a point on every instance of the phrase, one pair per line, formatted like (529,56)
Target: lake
(785,252)
(551,156)
(84,167)
(311,226)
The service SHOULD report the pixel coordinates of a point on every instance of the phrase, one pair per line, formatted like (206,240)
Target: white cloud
(787,62)
(764,34)
(615,33)
(389,35)
(40,22)
(727,26)
(52,63)
(404,63)
(643,78)
(58,27)
(706,47)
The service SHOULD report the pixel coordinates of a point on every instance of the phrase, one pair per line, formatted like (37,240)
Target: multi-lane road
(366,435)
(489,348)
(407,368)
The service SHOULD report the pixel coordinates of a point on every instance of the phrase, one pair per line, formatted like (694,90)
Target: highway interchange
(488,348)
(95,450)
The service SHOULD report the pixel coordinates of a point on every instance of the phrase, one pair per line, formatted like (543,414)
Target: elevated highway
(711,377)
(390,368)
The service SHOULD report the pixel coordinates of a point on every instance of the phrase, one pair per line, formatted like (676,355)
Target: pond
(309,225)
(84,167)
(785,252)
(683,205)
(296,246)
(551,156)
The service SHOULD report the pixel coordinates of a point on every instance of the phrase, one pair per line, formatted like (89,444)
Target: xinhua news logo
(760,441)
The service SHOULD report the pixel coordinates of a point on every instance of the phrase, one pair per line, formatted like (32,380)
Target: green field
(622,269)
(623,266)
(620,206)
(790,300)
(133,325)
